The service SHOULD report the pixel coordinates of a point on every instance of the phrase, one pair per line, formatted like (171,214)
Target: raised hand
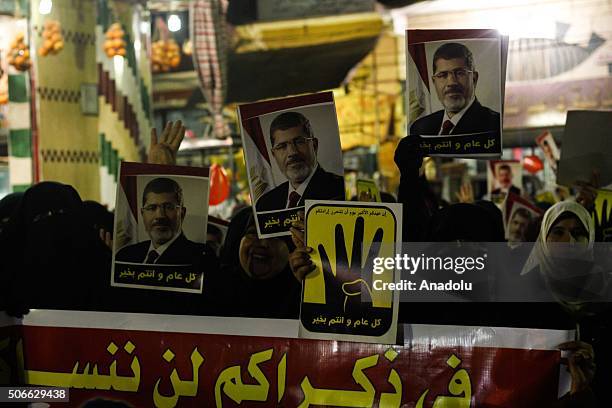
(409,156)
(164,149)
(466,193)
(587,191)
(106,237)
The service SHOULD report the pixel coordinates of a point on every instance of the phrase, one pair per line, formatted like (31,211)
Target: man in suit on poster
(295,148)
(504,177)
(455,78)
(163,214)
(517,226)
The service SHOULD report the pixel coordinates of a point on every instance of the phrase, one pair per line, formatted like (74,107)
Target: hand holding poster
(292,152)
(166,207)
(465,69)
(341,299)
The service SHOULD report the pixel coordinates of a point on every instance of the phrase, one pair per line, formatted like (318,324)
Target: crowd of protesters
(57,255)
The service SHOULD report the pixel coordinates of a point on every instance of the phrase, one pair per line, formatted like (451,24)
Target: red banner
(148,361)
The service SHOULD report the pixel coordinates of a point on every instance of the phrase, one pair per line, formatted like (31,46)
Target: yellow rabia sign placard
(603,216)
(346,238)
(367,190)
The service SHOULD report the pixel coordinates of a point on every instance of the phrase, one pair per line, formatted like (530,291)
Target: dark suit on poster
(181,252)
(322,186)
(476,119)
(512,190)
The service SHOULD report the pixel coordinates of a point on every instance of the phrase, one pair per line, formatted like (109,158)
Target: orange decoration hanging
(19,54)
(166,55)
(53,39)
(114,43)
(219,185)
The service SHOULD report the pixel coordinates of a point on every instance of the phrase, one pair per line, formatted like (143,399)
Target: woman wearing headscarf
(564,256)
(257,280)
(52,259)
(563,261)
(7,206)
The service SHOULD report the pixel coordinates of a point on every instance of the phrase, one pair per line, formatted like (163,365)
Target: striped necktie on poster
(152,257)
(447,126)
(294,199)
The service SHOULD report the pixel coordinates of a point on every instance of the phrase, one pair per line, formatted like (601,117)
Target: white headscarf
(571,281)
(540,254)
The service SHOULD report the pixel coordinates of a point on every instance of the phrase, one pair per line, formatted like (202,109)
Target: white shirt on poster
(456,117)
(301,188)
(160,249)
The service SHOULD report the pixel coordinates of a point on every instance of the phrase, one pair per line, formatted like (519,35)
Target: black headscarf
(8,205)
(497,219)
(468,222)
(97,216)
(235,231)
(53,260)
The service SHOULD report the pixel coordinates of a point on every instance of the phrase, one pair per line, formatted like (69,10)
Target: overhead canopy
(268,60)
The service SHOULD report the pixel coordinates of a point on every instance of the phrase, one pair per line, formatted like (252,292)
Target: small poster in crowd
(367,190)
(292,152)
(603,216)
(504,177)
(347,297)
(547,143)
(455,89)
(518,214)
(160,227)
(586,148)
(547,197)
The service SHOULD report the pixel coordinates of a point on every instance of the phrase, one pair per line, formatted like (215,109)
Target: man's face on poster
(295,153)
(504,177)
(163,217)
(518,227)
(455,83)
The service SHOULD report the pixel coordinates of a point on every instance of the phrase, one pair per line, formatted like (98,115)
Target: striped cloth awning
(209,39)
